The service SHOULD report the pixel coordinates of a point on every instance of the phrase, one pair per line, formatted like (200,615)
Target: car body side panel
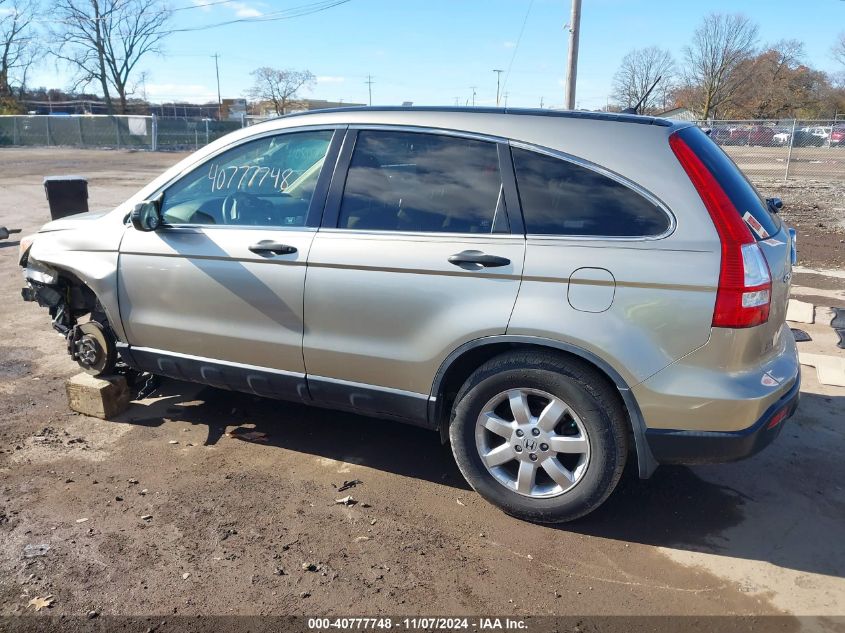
(661,308)
(723,386)
(387,308)
(89,252)
(201,292)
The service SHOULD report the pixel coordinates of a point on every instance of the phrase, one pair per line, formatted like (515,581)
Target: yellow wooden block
(103,397)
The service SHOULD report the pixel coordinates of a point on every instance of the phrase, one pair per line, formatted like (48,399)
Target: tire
(593,423)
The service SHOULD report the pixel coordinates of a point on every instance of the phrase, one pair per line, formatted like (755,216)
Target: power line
(202,5)
(518,40)
(286,14)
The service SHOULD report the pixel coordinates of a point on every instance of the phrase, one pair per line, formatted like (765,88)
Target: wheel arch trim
(645,460)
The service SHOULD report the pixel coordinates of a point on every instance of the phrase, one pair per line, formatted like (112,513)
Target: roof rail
(566,114)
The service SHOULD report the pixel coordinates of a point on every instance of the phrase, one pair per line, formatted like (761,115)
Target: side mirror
(146,216)
(775,204)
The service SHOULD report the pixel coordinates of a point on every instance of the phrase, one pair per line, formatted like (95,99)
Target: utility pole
(219,100)
(506,99)
(473,95)
(572,62)
(541,103)
(498,82)
(370,83)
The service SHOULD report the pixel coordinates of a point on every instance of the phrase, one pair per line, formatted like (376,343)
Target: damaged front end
(91,344)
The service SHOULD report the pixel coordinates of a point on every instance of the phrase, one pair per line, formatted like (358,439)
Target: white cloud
(508,44)
(243,10)
(329,79)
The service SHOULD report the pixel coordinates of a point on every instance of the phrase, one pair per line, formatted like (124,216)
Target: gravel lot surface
(170,509)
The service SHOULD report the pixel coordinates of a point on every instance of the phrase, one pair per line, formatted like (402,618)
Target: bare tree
(105,39)
(17,42)
(718,47)
(839,49)
(279,87)
(639,70)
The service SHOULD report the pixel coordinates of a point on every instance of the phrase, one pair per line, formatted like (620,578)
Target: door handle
(477,257)
(269,246)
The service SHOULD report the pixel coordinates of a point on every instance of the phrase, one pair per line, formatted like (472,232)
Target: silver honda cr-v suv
(549,290)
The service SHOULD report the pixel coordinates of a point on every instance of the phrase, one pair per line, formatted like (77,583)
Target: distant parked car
(720,134)
(761,135)
(781,136)
(837,136)
(804,138)
(820,131)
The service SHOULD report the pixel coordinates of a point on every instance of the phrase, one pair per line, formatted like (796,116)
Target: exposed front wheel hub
(93,348)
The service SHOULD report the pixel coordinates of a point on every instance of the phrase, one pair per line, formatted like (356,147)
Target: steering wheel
(229,209)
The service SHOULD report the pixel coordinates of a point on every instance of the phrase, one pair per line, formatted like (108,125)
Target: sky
(432,52)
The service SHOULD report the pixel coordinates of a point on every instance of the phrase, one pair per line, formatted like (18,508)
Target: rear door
(420,250)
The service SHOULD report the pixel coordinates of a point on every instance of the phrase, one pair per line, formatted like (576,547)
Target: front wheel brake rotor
(94,349)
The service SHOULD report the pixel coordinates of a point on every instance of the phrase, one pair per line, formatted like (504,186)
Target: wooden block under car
(103,397)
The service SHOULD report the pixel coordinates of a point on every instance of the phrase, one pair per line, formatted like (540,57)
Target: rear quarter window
(560,197)
(741,192)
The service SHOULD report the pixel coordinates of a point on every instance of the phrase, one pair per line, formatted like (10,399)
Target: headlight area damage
(91,344)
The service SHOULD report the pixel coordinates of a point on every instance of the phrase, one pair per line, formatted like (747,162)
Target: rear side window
(560,197)
(742,193)
(408,181)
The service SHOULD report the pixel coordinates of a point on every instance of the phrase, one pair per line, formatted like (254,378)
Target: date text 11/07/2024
(413,624)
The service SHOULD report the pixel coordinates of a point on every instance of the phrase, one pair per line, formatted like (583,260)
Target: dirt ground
(166,511)
(824,164)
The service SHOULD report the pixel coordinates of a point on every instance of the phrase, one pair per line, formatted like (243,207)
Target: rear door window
(741,192)
(560,197)
(409,181)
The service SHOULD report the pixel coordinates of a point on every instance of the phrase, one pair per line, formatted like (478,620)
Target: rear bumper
(703,447)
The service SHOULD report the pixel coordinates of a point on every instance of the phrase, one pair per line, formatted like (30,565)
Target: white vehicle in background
(823,132)
(781,138)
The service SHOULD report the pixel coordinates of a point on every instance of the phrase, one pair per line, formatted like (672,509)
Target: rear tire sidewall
(605,451)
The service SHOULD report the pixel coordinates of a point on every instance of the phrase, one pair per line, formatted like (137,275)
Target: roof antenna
(641,101)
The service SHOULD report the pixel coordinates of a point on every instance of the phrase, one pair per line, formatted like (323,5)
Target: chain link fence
(768,150)
(102,131)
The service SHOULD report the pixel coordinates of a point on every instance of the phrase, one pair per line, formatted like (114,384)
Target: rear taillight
(745,283)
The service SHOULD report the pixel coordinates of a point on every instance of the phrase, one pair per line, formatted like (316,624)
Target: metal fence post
(789,153)
(206,131)
(116,131)
(15,133)
(81,139)
(153,133)
(48,117)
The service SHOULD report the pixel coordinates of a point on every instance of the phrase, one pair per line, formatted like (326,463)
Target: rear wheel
(539,435)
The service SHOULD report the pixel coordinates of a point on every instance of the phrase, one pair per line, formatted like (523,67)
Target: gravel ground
(817,212)
(172,510)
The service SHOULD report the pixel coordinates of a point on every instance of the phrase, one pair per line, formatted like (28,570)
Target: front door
(216,293)
(415,257)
